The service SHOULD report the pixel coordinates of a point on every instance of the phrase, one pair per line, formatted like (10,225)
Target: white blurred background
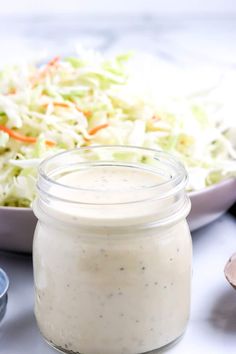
(180,32)
(158,7)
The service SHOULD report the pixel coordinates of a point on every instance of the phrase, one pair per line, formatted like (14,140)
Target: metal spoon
(230,270)
(4,285)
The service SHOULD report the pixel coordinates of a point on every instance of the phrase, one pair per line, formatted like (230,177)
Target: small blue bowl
(4,285)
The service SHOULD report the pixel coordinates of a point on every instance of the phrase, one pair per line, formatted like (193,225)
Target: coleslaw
(79,101)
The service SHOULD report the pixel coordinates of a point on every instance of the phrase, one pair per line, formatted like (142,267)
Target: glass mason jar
(112,250)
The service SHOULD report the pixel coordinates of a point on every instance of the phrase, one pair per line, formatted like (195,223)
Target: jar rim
(177,180)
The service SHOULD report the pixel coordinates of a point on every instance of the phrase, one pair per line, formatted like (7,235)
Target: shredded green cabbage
(89,99)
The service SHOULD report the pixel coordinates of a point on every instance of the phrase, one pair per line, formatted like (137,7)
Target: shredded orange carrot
(66,105)
(42,74)
(50,143)
(48,66)
(23,138)
(12,91)
(53,61)
(61,104)
(97,128)
(86,113)
(156,117)
(57,104)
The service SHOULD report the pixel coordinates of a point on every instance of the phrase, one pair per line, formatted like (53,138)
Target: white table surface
(212,327)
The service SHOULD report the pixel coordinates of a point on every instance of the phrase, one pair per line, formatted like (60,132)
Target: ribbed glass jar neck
(112,186)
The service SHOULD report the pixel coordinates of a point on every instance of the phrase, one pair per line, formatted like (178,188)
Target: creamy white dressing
(115,288)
